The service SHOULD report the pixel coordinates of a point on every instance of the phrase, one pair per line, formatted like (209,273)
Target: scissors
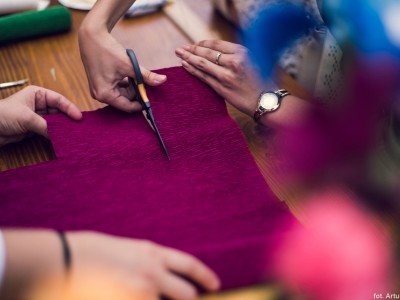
(13,83)
(141,96)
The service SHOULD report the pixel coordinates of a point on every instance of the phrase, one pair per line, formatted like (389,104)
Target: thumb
(152,78)
(36,124)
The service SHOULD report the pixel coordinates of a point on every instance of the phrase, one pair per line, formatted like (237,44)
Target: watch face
(269,101)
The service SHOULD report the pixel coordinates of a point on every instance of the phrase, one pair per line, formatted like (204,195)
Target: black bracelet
(66,250)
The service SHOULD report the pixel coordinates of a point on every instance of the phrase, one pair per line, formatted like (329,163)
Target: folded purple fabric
(111,175)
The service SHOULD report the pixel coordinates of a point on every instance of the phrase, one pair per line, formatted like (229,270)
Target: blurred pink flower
(341,253)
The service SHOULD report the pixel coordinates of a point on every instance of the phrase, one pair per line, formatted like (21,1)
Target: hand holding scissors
(141,97)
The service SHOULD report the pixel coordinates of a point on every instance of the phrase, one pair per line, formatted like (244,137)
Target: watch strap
(282,93)
(257,115)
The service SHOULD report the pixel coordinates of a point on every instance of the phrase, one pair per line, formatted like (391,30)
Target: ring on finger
(217,58)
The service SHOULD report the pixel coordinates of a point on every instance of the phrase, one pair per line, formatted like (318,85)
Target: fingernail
(186,47)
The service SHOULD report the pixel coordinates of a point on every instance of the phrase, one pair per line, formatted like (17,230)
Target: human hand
(234,77)
(155,266)
(107,67)
(21,113)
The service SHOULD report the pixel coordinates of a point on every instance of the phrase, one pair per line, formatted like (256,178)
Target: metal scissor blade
(141,95)
(13,83)
(149,116)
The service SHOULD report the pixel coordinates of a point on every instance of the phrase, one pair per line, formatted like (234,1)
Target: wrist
(81,245)
(66,251)
(105,14)
(90,29)
(268,103)
(30,256)
(292,112)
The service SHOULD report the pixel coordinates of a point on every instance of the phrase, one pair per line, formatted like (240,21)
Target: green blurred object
(55,19)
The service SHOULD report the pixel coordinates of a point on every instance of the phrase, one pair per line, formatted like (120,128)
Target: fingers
(205,59)
(47,98)
(152,78)
(221,46)
(205,55)
(35,123)
(36,99)
(120,96)
(200,62)
(209,54)
(126,89)
(123,103)
(176,288)
(149,77)
(203,76)
(230,73)
(191,267)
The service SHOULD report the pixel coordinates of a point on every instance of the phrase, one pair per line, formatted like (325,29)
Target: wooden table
(54,62)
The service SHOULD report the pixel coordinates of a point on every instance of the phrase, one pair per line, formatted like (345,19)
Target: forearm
(105,14)
(30,256)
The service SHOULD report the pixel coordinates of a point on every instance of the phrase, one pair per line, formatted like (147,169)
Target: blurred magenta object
(341,253)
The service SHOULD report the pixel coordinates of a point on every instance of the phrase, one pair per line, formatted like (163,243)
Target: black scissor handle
(136,66)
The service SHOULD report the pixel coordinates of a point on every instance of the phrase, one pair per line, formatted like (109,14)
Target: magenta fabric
(111,175)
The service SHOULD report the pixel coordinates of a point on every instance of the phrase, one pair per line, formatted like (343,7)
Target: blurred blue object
(276,28)
(369,26)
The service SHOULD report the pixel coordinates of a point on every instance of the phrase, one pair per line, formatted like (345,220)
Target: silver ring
(217,58)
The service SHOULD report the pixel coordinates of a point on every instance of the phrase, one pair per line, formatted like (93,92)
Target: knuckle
(101,95)
(241,48)
(236,64)
(194,49)
(187,56)
(124,65)
(245,52)
(220,90)
(210,54)
(150,274)
(195,73)
(149,245)
(147,74)
(215,44)
(191,70)
(151,249)
(31,88)
(203,77)
(39,93)
(245,58)
(191,293)
(202,63)
(29,118)
(227,78)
